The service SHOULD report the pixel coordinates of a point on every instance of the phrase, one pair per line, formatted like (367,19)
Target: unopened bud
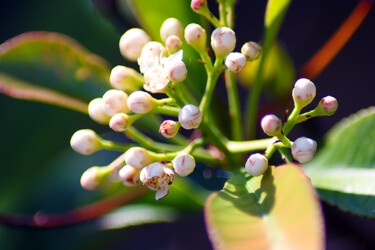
(271,125)
(119,122)
(169,128)
(85,142)
(115,102)
(171,27)
(199,6)
(327,106)
(94,177)
(138,157)
(303,92)
(153,49)
(251,50)
(223,41)
(126,79)
(196,37)
(177,72)
(129,176)
(184,164)
(132,42)
(96,111)
(157,177)
(141,102)
(173,44)
(235,62)
(190,116)
(303,149)
(256,164)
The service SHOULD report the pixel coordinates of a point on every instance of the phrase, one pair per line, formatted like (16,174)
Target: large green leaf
(344,170)
(52,61)
(278,210)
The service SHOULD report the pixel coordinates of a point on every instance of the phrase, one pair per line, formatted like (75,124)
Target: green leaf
(52,61)
(343,171)
(278,210)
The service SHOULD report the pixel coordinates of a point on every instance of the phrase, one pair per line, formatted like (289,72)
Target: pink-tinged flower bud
(256,164)
(303,92)
(177,72)
(138,157)
(190,116)
(223,41)
(153,49)
(169,128)
(94,177)
(235,62)
(303,149)
(132,42)
(196,37)
(126,79)
(271,125)
(119,122)
(141,102)
(173,44)
(129,176)
(171,27)
(184,164)
(327,106)
(85,142)
(157,177)
(251,50)
(115,102)
(96,111)
(199,6)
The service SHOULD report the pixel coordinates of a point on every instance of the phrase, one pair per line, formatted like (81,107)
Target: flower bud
(115,102)
(138,157)
(235,62)
(196,37)
(190,116)
(157,177)
(199,6)
(271,125)
(173,44)
(303,149)
(132,42)
(85,142)
(119,122)
(177,72)
(303,92)
(126,79)
(94,177)
(256,164)
(169,128)
(153,49)
(96,111)
(141,102)
(251,50)
(129,176)
(327,106)
(184,164)
(223,41)
(171,27)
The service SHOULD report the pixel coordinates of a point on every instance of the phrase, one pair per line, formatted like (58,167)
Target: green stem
(213,20)
(248,146)
(165,101)
(110,145)
(286,155)
(223,14)
(292,120)
(234,106)
(166,110)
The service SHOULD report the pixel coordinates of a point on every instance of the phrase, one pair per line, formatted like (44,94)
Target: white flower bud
(129,176)
(235,62)
(132,42)
(171,27)
(141,102)
(190,116)
(115,102)
(256,164)
(271,125)
(94,177)
(173,44)
(199,6)
(184,164)
(157,177)
(303,149)
(223,41)
(169,128)
(138,157)
(328,105)
(251,50)
(126,79)
(303,92)
(119,122)
(153,49)
(196,37)
(177,72)
(85,142)
(96,111)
